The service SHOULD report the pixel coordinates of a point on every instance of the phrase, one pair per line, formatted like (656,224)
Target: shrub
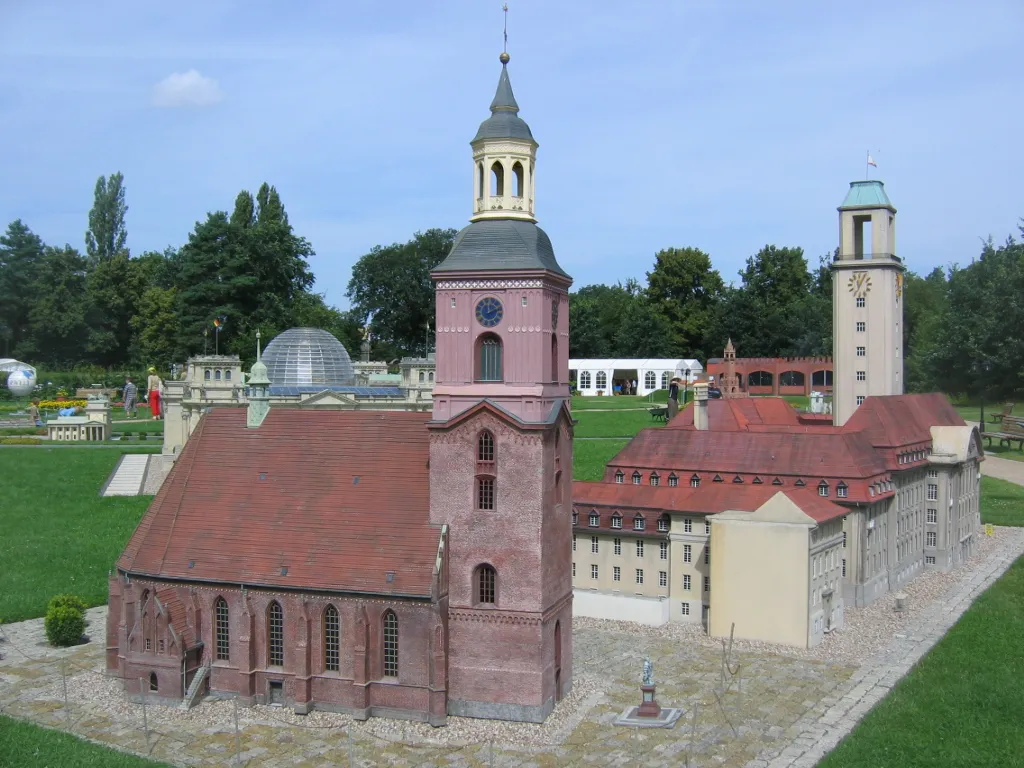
(65,620)
(143,435)
(20,441)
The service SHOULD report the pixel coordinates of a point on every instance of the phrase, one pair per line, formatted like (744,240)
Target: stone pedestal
(648,706)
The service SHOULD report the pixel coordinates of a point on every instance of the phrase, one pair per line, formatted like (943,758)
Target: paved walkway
(127,477)
(1004,469)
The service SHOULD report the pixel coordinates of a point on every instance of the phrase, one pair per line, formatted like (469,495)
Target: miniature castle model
(398,563)
(745,376)
(742,510)
(94,426)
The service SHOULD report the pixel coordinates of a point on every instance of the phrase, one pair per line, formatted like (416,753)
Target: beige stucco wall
(759,571)
(654,562)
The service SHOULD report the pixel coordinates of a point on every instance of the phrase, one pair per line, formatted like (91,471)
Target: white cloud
(186,89)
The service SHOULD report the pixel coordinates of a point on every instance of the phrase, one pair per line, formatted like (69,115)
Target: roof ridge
(181,498)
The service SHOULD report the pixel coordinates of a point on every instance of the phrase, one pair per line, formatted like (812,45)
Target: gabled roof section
(897,420)
(504,122)
(338,498)
(747,414)
(869,193)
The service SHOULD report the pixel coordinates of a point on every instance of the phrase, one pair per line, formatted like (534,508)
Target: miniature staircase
(128,476)
(195,687)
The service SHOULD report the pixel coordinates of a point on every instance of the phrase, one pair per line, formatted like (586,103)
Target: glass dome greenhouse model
(304,357)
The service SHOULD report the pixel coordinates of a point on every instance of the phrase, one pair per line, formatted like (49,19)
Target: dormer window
(823,488)
(619,477)
(637,477)
(595,519)
(616,520)
(717,479)
(758,481)
(673,481)
(737,479)
(695,481)
(655,479)
(663,523)
(575,518)
(842,490)
(638,522)
(799,483)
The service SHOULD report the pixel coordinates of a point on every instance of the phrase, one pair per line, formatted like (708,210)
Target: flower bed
(57,404)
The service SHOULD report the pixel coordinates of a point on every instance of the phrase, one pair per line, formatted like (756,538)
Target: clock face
(489,312)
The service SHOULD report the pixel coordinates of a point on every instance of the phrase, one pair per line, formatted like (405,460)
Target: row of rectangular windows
(639,576)
(639,523)
(842,490)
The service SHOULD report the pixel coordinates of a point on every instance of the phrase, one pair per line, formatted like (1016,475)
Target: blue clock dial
(489,312)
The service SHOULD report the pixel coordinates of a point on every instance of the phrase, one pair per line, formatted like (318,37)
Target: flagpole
(867,164)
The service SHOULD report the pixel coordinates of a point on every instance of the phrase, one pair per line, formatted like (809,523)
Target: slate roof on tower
(506,244)
(309,500)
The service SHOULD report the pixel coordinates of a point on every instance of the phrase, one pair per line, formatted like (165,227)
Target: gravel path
(1003,469)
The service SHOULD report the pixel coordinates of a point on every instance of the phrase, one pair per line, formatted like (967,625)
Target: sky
(722,125)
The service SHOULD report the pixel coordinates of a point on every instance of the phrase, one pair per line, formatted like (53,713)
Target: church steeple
(504,156)
(259,390)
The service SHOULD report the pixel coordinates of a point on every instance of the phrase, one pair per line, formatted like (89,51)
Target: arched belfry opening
(497,179)
(480,180)
(518,180)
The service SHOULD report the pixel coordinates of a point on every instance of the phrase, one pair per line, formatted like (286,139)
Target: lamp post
(986,366)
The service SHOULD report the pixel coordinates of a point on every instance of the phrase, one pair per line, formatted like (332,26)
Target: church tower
(867,301)
(501,438)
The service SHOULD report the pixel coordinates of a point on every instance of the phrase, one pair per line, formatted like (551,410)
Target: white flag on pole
(872,162)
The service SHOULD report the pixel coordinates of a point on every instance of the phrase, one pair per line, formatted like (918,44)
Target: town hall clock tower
(501,438)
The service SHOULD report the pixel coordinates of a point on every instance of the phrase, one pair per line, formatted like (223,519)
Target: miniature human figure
(648,671)
(632,387)
(33,413)
(153,386)
(673,398)
(130,393)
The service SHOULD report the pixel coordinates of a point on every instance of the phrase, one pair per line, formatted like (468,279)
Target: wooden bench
(659,414)
(1011,431)
(1005,413)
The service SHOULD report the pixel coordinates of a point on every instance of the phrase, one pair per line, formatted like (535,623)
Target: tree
(684,288)
(923,300)
(57,329)
(107,234)
(643,331)
(155,327)
(112,291)
(596,315)
(21,253)
(392,284)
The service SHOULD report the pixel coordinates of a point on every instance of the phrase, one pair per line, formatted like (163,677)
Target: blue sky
(721,125)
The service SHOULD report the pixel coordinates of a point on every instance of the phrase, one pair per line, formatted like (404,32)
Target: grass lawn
(590,456)
(30,746)
(606,403)
(970,410)
(963,704)
(58,534)
(151,427)
(613,423)
(1013,454)
(1002,503)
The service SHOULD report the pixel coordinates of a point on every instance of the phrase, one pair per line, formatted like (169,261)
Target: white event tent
(593,377)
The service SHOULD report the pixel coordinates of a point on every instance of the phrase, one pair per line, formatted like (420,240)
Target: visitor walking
(131,392)
(153,386)
(33,413)
(673,398)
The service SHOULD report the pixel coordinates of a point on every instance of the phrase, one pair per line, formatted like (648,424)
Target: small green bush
(143,435)
(20,441)
(65,620)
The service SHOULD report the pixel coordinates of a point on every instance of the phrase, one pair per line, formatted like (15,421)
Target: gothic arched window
(221,617)
(332,639)
(489,362)
(486,584)
(518,180)
(390,641)
(275,635)
(480,180)
(485,471)
(497,179)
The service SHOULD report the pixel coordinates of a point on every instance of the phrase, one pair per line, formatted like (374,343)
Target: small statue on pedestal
(648,706)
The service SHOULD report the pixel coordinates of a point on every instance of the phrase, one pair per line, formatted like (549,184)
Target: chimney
(700,405)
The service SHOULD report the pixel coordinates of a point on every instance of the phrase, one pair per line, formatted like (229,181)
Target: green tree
(112,292)
(923,300)
(57,328)
(643,331)
(596,315)
(392,284)
(107,234)
(21,254)
(155,328)
(684,288)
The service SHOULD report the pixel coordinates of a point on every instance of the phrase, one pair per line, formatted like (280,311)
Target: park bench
(1011,431)
(659,413)
(1005,413)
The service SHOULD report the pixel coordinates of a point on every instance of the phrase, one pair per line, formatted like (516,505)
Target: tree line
(61,308)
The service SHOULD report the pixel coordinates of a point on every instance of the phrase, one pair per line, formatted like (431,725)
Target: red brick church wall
(776,366)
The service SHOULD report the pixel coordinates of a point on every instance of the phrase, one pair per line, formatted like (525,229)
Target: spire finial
(257,345)
(504,51)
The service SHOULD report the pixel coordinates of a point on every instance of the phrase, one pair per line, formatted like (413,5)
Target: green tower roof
(866,194)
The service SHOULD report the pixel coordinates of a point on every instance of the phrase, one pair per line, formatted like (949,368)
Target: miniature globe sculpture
(305,357)
(21,382)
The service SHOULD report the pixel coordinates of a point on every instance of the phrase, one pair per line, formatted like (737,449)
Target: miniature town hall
(383,562)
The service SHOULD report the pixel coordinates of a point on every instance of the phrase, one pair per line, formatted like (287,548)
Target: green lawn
(604,403)
(613,423)
(590,456)
(970,410)
(30,746)
(58,534)
(962,706)
(150,426)
(1013,454)
(1002,503)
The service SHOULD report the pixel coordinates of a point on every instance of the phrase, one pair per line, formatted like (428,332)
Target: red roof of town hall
(327,500)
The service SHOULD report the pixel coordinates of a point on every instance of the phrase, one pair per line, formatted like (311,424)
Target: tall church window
(497,179)
(517,180)
(485,494)
(332,639)
(584,379)
(480,180)
(221,617)
(489,358)
(486,583)
(650,380)
(153,684)
(485,448)
(390,637)
(275,635)
(206,375)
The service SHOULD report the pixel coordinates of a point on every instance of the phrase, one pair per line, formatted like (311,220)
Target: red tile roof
(741,414)
(901,420)
(708,499)
(176,617)
(339,498)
